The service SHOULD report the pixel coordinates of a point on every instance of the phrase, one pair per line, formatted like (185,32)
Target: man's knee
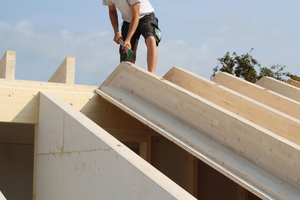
(151,42)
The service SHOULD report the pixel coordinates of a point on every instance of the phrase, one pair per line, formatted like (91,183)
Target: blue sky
(194,35)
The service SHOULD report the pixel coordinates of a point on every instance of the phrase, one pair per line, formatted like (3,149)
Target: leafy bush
(244,66)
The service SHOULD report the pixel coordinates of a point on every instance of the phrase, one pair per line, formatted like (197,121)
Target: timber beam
(254,111)
(7,65)
(65,72)
(260,94)
(293,82)
(280,87)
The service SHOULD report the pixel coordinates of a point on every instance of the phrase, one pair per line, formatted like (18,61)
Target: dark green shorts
(148,26)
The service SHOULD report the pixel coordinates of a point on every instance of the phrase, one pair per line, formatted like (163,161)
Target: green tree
(244,66)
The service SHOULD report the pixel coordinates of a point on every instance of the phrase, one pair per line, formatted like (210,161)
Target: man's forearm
(114,20)
(132,27)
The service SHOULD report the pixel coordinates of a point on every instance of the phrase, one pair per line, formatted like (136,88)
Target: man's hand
(127,43)
(117,37)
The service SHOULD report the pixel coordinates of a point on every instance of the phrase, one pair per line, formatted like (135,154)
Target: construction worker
(138,19)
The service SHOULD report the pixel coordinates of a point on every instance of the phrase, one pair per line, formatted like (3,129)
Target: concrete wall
(16,160)
(79,160)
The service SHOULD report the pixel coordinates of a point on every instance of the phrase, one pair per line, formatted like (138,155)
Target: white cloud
(94,51)
(24,27)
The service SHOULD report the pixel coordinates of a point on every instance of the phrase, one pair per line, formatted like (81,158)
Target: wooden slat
(7,65)
(35,146)
(280,87)
(192,175)
(293,82)
(243,194)
(254,111)
(145,149)
(233,166)
(260,94)
(65,72)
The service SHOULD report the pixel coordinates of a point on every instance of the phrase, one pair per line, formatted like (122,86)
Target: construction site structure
(141,136)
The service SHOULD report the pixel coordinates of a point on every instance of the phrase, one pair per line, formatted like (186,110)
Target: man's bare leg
(151,53)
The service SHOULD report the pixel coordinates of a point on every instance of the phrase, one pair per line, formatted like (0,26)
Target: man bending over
(139,19)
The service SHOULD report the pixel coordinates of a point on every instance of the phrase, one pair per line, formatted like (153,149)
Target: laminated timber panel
(19,103)
(19,100)
(228,163)
(293,82)
(280,87)
(256,112)
(260,94)
(79,160)
(7,65)
(65,72)
(262,147)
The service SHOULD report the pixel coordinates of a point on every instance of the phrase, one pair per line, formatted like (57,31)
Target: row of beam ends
(64,74)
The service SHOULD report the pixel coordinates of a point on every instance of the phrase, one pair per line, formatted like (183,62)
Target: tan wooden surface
(192,175)
(210,152)
(293,82)
(65,72)
(7,65)
(280,87)
(260,94)
(262,147)
(254,111)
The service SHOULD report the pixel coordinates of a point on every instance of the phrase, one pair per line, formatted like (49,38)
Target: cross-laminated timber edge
(262,147)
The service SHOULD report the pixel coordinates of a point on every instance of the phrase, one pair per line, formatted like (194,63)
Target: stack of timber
(225,134)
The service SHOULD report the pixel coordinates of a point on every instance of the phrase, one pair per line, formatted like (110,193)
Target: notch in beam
(7,65)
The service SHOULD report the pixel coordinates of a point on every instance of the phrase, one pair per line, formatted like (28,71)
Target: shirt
(124,6)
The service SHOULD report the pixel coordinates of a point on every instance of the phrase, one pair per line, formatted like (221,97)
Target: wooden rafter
(260,94)
(254,111)
(280,87)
